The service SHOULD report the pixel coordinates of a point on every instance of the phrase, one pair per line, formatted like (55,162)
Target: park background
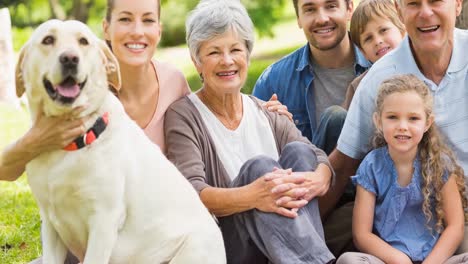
(277,35)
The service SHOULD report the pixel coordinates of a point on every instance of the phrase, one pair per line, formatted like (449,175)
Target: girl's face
(403,122)
(134,31)
(379,37)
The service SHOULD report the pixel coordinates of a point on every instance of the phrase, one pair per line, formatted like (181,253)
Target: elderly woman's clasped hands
(284,192)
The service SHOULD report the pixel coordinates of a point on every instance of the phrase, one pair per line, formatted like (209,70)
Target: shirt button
(296,122)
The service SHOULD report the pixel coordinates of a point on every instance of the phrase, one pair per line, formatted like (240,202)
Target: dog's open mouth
(66,92)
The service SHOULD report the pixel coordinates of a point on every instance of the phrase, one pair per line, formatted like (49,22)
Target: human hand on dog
(268,190)
(52,133)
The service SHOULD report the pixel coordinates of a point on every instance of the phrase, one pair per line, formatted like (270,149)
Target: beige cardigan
(191,149)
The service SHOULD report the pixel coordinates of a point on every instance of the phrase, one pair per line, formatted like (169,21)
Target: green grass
(19,217)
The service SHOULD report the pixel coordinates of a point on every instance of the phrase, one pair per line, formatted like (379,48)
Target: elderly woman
(252,168)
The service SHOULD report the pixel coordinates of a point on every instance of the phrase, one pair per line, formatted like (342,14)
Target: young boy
(376,29)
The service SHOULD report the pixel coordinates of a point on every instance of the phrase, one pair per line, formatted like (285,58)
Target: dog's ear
(19,81)
(112,66)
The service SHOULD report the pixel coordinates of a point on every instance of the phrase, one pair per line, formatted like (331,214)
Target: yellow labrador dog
(111,196)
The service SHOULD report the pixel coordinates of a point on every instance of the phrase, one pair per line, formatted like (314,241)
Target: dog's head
(64,65)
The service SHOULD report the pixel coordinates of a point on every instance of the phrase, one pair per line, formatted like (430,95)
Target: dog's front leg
(101,239)
(53,248)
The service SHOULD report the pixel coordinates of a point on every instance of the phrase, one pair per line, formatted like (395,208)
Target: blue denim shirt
(398,216)
(291,78)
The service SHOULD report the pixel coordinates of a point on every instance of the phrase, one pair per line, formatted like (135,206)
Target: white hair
(212,18)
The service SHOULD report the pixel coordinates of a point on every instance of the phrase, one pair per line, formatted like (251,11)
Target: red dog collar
(91,135)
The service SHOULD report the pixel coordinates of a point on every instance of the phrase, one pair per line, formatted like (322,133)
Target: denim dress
(398,217)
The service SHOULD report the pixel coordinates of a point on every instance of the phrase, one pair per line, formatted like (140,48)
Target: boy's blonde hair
(368,10)
(435,156)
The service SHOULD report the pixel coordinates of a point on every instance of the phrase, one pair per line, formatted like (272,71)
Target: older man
(434,51)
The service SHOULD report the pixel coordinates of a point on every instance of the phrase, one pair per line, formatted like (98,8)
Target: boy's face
(379,37)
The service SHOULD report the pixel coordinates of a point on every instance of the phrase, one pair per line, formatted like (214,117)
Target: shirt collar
(361,63)
(458,59)
(304,55)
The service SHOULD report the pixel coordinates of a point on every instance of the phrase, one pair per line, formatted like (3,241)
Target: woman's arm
(256,195)
(364,239)
(47,133)
(454,220)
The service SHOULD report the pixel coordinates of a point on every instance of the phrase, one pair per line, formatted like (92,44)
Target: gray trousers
(363,258)
(257,237)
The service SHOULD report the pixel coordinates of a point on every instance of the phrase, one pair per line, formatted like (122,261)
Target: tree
(7,83)
(264,15)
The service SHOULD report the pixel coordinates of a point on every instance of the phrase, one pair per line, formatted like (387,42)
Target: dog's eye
(48,40)
(84,41)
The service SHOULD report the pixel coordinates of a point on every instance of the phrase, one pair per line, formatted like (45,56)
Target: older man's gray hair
(212,18)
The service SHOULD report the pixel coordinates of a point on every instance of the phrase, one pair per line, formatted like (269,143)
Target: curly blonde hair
(436,157)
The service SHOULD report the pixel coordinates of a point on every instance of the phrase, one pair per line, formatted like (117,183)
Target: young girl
(410,191)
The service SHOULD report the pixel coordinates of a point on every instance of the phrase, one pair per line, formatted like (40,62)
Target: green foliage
(264,15)
(30,13)
(20,36)
(27,13)
(173,14)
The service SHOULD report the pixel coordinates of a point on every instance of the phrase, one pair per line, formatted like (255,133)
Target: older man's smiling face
(430,23)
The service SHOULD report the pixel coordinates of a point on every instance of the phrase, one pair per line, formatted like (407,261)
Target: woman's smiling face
(223,62)
(134,30)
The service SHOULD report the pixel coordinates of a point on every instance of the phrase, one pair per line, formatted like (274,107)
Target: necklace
(229,123)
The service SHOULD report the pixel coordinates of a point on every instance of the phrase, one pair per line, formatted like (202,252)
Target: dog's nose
(69,59)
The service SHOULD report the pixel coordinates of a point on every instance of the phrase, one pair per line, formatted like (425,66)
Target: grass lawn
(19,216)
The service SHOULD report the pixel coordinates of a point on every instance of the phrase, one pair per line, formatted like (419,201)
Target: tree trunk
(80,10)
(7,64)
(57,10)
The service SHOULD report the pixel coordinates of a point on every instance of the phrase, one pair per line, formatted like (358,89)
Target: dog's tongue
(68,88)
(68,91)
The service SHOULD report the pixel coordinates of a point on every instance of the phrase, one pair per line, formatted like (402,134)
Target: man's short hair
(295,3)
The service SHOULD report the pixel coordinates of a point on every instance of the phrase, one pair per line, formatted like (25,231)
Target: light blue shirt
(450,100)
(398,216)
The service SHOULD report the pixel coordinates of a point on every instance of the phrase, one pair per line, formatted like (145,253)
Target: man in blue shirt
(435,52)
(312,81)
